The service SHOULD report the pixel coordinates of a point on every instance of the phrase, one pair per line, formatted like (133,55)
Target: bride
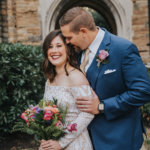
(65,82)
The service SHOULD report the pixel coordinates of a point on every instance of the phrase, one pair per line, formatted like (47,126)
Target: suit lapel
(93,71)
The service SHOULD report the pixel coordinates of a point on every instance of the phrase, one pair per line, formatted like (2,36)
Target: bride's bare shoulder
(77,78)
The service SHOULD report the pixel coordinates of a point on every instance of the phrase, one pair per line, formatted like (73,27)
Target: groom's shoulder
(121,45)
(77,78)
(120,41)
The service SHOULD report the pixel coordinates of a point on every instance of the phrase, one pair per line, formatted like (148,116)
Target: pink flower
(48,108)
(55,110)
(23,116)
(103,54)
(33,108)
(59,125)
(28,110)
(72,127)
(31,115)
(47,115)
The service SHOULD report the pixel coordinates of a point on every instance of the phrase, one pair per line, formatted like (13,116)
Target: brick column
(3,21)
(140,26)
(11,11)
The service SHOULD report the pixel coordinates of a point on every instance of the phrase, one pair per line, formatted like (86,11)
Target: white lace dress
(79,140)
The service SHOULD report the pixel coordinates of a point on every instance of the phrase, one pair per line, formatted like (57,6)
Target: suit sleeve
(137,82)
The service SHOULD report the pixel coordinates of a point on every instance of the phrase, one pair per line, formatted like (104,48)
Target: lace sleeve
(83,118)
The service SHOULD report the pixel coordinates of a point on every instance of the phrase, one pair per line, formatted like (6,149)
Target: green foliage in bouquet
(48,128)
(21,82)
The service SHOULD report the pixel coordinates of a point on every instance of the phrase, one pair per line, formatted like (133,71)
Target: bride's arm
(83,119)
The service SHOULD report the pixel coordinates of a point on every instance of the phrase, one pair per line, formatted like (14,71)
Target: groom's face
(72,38)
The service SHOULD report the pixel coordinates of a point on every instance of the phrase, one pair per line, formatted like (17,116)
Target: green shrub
(21,82)
(145,110)
(148,70)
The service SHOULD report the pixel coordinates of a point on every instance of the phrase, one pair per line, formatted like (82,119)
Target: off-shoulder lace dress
(79,140)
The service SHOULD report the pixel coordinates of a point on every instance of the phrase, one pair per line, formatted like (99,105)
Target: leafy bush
(145,110)
(21,82)
(148,70)
(99,20)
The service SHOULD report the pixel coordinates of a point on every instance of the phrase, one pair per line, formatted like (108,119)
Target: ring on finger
(84,106)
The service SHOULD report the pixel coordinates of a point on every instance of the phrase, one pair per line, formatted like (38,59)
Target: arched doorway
(113,11)
(98,6)
(99,19)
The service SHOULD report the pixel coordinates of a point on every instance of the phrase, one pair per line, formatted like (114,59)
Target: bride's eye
(50,46)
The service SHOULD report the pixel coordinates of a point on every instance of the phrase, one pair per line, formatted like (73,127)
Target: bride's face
(57,52)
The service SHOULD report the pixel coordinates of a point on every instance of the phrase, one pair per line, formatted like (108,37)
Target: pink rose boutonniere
(72,127)
(102,57)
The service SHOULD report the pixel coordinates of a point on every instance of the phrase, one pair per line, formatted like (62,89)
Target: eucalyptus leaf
(37,138)
(29,131)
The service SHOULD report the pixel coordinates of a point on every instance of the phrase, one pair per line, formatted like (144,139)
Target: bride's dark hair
(47,67)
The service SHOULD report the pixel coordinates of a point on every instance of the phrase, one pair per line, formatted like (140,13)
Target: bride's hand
(50,145)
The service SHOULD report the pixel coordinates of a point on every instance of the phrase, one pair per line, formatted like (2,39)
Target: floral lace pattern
(67,96)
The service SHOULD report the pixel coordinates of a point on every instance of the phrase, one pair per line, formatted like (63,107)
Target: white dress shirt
(93,48)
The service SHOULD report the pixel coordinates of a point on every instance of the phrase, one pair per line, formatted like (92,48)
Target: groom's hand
(88,104)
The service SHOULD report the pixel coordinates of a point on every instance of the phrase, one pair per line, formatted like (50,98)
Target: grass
(147,144)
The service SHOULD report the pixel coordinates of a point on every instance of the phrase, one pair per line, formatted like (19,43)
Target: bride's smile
(55,57)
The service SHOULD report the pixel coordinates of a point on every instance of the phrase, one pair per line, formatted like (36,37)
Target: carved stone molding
(121,15)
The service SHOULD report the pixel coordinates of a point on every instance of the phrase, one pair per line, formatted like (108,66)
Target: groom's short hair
(77,18)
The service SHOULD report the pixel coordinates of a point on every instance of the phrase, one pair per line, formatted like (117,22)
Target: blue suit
(122,92)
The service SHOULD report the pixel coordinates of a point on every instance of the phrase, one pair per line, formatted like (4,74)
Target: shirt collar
(97,41)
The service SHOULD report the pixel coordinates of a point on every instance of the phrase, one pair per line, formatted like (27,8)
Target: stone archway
(99,6)
(114,11)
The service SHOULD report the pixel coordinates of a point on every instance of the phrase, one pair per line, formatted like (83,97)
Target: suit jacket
(123,92)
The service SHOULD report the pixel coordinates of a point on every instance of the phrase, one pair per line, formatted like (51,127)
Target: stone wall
(19,22)
(27,22)
(140,27)
(3,21)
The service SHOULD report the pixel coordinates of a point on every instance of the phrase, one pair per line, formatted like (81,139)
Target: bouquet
(44,121)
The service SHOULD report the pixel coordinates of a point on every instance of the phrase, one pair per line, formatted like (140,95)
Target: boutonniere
(102,57)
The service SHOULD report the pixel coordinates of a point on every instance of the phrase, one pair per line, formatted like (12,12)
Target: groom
(121,83)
